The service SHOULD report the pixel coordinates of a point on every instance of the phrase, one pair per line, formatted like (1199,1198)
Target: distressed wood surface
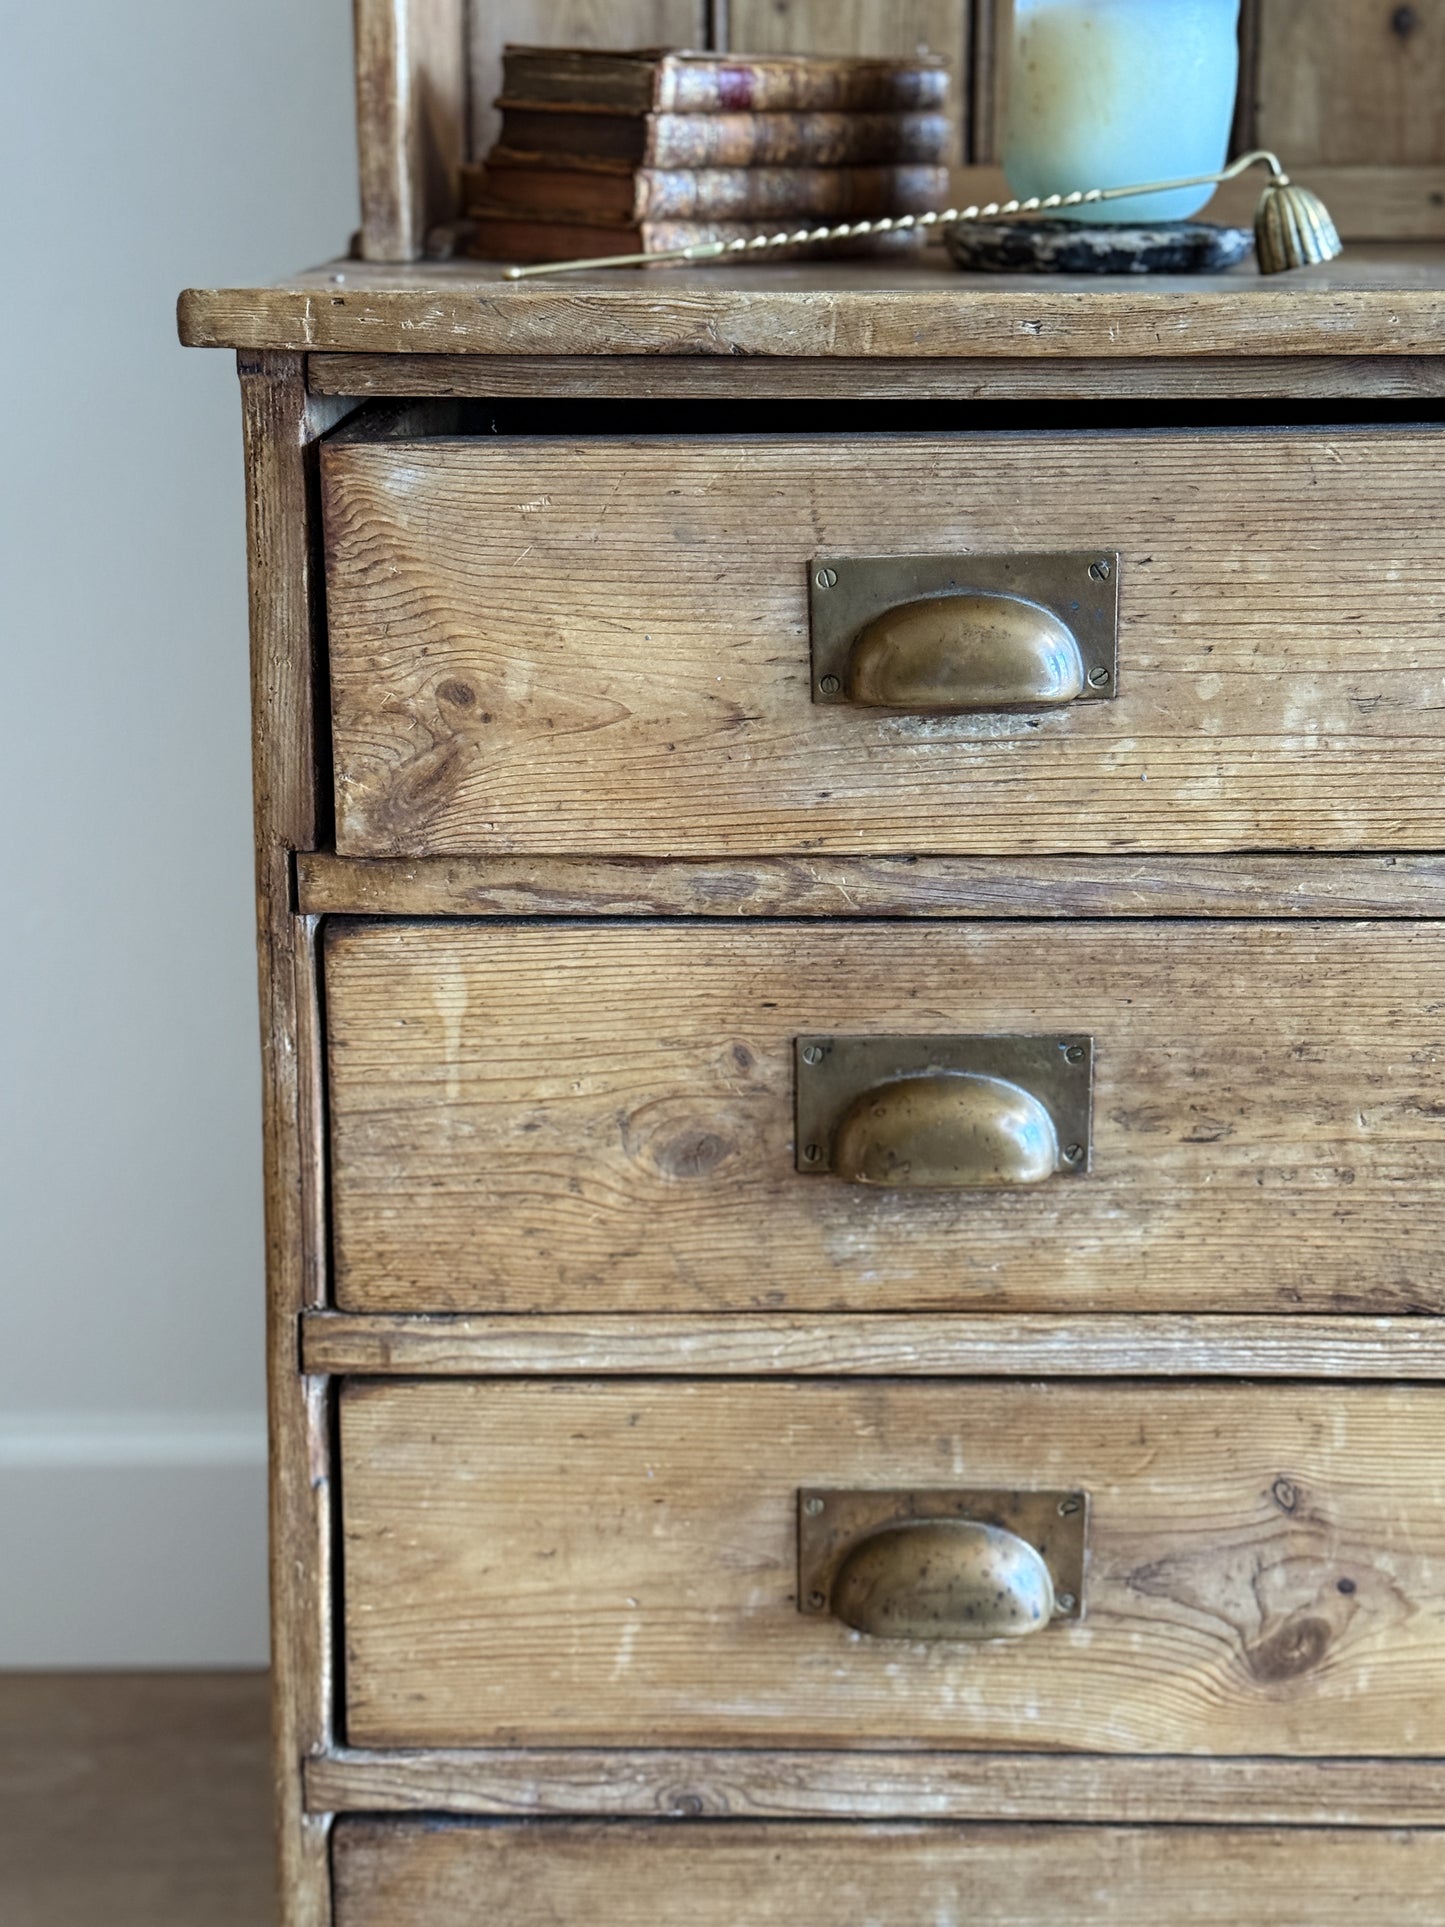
(1367,202)
(281,423)
(570,1563)
(602,646)
(750,1784)
(600,1119)
(849,887)
(752,1876)
(491,24)
(696,378)
(1245,134)
(992,30)
(769,1344)
(1338,81)
(1380,300)
(411,90)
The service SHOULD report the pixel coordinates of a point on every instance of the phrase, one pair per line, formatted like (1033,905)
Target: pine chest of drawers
(853,966)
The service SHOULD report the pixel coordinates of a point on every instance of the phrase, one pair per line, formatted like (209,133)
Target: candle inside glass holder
(1104,92)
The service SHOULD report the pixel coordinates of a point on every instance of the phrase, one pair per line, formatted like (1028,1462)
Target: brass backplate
(831,1522)
(846,593)
(830,1072)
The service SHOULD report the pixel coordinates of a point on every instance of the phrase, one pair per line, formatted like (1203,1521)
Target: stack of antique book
(606,153)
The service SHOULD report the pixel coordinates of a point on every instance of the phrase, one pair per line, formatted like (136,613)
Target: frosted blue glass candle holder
(1104,92)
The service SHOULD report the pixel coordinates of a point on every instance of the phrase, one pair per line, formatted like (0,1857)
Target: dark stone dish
(1073,247)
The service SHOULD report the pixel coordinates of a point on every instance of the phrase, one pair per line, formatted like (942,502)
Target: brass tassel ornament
(1292,226)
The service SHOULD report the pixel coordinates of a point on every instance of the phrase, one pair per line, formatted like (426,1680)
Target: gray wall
(146,145)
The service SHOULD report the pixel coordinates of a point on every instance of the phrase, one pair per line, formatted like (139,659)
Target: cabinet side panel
(279,423)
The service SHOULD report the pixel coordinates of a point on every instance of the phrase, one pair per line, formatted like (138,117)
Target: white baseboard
(132,1542)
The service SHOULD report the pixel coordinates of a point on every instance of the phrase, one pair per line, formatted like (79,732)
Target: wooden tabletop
(1377,300)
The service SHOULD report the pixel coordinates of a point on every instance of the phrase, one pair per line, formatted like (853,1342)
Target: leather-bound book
(657,81)
(555,133)
(617,194)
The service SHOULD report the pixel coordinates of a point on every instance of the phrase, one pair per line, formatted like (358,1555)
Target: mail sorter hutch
(701,1491)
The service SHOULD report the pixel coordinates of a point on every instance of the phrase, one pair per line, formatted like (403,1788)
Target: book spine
(777,87)
(786,193)
(794,140)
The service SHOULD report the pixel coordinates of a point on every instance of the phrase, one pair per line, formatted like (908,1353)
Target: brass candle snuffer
(1292,226)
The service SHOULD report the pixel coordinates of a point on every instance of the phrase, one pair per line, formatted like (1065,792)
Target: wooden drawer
(390,1875)
(601,1119)
(604,646)
(616,1564)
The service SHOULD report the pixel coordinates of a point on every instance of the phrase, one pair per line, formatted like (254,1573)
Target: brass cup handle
(943,634)
(942,1563)
(968,651)
(944,1112)
(946,1129)
(944,1579)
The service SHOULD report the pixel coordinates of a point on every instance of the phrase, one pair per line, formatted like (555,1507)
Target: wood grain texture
(773,1345)
(850,887)
(750,1876)
(491,24)
(586,1564)
(602,646)
(902,28)
(1245,135)
(281,423)
(1338,81)
(1382,300)
(991,34)
(749,1784)
(411,89)
(600,1119)
(1282,377)
(134,1800)
(1366,202)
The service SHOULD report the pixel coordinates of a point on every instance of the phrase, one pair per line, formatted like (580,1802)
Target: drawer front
(604,646)
(600,1119)
(751,1876)
(574,1563)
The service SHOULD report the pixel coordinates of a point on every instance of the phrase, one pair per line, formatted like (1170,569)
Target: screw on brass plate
(1074,1053)
(830,685)
(1068,1507)
(1098,678)
(1065,1602)
(812,1152)
(816,1602)
(814,1054)
(812,1507)
(1072,1153)
(1100,570)
(826,578)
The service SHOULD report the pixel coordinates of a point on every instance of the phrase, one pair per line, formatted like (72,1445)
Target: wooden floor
(134,1800)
